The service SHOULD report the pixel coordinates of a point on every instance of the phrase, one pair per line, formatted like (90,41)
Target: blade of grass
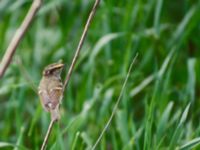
(178,130)
(7,145)
(75,140)
(122,126)
(102,42)
(151,78)
(191,144)
(191,78)
(164,119)
(178,34)
(157,17)
(20,138)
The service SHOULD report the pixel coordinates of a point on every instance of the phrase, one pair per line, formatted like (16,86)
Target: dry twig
(47,134)
(7,58)
(116,104)
(80,44)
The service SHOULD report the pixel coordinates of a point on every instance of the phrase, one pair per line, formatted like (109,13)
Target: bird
(50,89)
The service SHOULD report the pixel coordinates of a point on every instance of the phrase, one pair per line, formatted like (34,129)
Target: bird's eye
(47,72)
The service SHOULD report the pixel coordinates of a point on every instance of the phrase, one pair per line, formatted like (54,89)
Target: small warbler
(51,89)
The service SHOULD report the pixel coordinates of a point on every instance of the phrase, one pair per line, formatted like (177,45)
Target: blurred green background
(160,108)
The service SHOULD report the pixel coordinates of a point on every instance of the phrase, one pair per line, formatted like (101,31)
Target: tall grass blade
(191,144)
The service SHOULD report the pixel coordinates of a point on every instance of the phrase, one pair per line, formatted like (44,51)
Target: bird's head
(54,69)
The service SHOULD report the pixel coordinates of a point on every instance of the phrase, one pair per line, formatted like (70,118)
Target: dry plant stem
(92,13)
(47,134)
(7,58)
(116,104)
(80,44)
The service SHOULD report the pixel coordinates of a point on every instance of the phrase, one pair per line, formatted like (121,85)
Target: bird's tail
(55,114)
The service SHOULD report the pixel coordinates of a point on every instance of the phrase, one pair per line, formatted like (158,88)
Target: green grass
(159,108)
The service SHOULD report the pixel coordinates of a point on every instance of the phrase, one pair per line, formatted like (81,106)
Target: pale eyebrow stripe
(55,67)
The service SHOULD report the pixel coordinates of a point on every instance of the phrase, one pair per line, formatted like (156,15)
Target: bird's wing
(44,99)
(56,95)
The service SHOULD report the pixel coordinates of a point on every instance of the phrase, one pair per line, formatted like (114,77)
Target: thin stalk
(47,134)
(19,34)
(68,76)
(80,44)
(116,105)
